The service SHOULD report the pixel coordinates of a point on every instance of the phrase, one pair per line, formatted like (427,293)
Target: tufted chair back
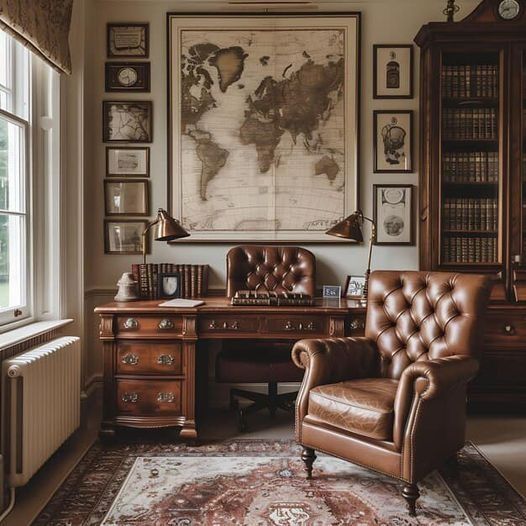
(270,268)
(415,316)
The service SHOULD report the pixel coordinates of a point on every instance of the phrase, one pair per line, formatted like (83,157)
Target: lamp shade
(349,228)
(166,228)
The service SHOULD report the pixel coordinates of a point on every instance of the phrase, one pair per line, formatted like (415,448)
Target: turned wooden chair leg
(308,456)
(411,494)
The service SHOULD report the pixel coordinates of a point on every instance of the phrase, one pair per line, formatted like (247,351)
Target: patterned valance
(42,25)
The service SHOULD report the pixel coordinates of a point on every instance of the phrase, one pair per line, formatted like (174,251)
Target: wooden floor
(501,439)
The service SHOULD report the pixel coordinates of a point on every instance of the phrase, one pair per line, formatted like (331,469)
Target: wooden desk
(150,351)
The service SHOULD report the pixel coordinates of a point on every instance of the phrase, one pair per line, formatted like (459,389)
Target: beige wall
(383,21)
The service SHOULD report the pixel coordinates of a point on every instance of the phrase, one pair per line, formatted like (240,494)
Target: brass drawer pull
(308,327)
(130,359)
(165,359)
(289,326)
(131,323)
(509,330)
(166,397)
(166,325)
(234,326)
(356,324)
(130,398)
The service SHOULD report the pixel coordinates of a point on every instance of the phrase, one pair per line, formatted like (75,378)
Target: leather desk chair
(264,268)
(395,401)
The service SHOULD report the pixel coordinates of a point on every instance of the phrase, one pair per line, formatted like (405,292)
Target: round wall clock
(127,76)
(509,9)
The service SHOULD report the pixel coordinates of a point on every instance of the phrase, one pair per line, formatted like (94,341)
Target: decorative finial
(451,10)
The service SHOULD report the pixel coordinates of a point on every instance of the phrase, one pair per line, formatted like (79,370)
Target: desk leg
(189,431)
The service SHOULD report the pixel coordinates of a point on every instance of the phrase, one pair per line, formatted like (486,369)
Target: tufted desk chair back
(415,316)
(271,268)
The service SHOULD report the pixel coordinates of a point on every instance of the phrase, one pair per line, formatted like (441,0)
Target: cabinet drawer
(136,326)
(505,330)
(149,397)
(149,357)
(296,324)
(227,324)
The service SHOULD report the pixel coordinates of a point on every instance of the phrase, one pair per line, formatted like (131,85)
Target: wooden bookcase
(473,179)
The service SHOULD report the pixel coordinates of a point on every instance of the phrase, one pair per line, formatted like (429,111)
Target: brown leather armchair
(395,401)
(264,268)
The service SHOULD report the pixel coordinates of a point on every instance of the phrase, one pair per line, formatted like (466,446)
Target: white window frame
(43,184)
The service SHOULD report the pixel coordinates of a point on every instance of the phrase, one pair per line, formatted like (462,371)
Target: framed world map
(263,124)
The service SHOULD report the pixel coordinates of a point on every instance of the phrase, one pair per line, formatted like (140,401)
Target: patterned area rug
(257,482)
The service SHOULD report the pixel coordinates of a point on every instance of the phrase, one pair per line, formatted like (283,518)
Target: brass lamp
(351,228)
(166,229)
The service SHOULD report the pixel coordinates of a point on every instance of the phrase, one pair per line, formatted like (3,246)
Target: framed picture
(263,119)
(127,161)
(169,285)
(123,197)
(127,121)
(354,286)
(393,214)
(124,236)
(127,76)
(393,71)
(332,291)
(393,141)
(128,40)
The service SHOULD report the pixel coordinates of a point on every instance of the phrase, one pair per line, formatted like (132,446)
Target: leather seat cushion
(263,366)
(364,407)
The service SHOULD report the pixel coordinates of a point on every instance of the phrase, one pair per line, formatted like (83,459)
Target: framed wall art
(393,214)
(127,121)
(127,76)
(124,197)
(124,236)
(127,161)
(393,71)
(263,120)
(128,40)
(393,141)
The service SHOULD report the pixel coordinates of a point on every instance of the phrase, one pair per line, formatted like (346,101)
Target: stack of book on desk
(194,279)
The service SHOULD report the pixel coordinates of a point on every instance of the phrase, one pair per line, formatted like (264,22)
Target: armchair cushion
(364,406)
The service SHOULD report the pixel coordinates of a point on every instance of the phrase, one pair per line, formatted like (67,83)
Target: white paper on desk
(182,303)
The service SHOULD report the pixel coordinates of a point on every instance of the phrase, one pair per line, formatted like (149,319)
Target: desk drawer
(149,397)
(297,325)
(505,330)
(227,324)
(136,326)
(149,358)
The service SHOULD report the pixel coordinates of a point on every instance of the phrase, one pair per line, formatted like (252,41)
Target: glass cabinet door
(471,182)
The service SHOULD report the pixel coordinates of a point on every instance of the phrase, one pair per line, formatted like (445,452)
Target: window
(30,184)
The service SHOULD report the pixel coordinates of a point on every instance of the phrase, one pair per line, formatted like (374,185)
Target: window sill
(32,330)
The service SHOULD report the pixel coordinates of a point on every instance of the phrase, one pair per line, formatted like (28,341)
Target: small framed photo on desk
(169,285)
(354,286)
(332,291)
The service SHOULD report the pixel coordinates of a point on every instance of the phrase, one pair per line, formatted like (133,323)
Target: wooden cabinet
(473,179)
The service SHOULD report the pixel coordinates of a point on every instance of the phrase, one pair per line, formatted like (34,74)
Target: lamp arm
(145,231)
(368,270)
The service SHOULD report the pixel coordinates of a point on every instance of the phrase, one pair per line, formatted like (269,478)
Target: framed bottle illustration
(393,71)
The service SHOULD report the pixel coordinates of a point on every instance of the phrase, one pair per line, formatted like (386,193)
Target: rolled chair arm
(330,361)
(439,375)
(429,380)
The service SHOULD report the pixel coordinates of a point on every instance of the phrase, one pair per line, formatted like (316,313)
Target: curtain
(41,25)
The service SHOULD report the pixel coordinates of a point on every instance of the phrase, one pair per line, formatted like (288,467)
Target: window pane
(12,261)
(11,166)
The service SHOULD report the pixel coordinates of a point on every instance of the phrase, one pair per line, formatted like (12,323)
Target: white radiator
(42,402)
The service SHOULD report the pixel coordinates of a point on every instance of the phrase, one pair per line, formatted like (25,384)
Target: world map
(262,129)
